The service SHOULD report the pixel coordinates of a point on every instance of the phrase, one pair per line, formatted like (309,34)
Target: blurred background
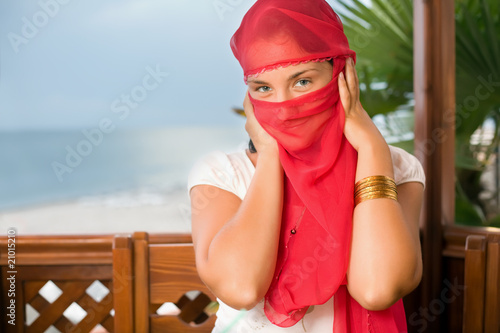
(106,105)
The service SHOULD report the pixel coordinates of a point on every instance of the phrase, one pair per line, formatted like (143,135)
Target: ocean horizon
(128,167)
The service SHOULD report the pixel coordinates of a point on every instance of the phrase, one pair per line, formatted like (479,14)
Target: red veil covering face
(318,161)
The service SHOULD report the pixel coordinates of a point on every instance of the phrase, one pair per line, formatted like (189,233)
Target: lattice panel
(193,308)
(68,306)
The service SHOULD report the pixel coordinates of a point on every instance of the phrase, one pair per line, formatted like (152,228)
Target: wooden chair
(147,276)
(492,297)
(475,284)
(61,282)
(482,284)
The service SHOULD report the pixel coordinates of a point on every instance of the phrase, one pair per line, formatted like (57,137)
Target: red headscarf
(318,161)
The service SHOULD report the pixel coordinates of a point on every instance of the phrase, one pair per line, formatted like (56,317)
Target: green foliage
(494,222)
(478,96)
(382,36)
(478,61)
(466,213)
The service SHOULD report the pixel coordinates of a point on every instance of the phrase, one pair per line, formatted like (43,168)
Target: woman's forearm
(241,258)
(385,254)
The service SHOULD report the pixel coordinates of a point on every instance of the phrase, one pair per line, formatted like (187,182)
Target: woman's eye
(264,89)
(302,83)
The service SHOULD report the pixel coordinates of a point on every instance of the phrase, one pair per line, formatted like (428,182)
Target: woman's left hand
(359,129)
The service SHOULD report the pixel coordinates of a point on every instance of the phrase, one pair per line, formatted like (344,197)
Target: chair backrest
(482,284)
(492,298)
(162,283)
(61,283)
(475,283)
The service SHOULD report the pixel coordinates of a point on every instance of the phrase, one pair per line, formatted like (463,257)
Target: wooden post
(434,86)
(123,289)
(475,284)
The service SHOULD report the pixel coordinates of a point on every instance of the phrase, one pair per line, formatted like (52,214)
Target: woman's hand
(236,241)
(260,138)
(359,129)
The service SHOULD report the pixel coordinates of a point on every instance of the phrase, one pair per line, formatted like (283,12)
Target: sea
(93,181)
(129,167)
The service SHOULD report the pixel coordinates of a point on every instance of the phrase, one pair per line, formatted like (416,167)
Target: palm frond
(492,35)
(478,46)
(478,41)
(382,36)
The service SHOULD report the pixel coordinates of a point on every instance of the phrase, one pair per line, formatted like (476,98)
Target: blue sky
(67,64)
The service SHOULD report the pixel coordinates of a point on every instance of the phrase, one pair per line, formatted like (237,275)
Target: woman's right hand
(236,241)
(262,140)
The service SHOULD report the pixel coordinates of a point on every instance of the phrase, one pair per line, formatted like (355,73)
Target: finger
(247,105)
(352,80)
(355,72)
(356,79)
(350,76)
(345,96)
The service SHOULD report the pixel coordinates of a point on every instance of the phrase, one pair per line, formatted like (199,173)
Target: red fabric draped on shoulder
(318,161)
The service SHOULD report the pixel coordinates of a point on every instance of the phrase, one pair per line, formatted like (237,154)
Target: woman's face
(286,83)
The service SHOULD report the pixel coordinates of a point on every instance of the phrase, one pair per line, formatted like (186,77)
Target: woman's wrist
(268,148)
(374,158)
(360,130)
(374,147)
(269,158)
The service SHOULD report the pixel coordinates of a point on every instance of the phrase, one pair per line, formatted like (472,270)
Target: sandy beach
(106,214)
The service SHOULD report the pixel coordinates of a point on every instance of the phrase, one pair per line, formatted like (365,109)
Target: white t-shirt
(233,173)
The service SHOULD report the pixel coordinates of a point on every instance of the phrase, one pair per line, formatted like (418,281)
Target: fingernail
(341,75)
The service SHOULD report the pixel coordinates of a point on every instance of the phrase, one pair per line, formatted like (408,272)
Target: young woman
(315,228)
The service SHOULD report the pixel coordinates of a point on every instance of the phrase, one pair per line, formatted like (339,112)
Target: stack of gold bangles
(375,187)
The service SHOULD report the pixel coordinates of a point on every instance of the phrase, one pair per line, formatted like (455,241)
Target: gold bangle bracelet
(388,193)
(375,188)
(359,200)
(383,179)
(363,182)
(371,185)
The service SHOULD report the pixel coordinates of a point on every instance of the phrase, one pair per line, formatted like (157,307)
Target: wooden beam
(434,87)
(123,289)
(492,300)
(475,284)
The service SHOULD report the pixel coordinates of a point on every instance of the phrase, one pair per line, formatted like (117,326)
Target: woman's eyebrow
(293,76)
(257,82)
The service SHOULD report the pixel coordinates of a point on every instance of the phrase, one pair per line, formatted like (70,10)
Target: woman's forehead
(288,70)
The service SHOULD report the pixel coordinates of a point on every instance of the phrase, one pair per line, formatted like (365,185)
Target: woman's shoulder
(407,168)
(228,171)
(219,161)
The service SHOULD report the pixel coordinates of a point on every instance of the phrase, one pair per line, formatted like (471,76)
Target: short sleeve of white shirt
(407,168)
(233,173)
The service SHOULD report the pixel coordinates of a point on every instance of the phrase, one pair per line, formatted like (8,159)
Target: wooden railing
(471,267)
(60,281)
(79,271)
(159,288)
